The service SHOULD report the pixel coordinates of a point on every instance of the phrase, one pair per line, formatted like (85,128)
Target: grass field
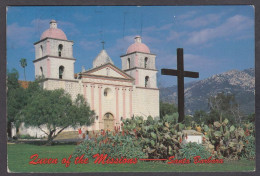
(19,158)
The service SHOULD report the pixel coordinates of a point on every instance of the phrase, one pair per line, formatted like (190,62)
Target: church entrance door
(108,122)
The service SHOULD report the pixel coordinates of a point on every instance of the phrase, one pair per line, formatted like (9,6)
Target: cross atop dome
(138,39)
(53,24)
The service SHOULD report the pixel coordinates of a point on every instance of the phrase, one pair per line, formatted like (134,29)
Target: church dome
(54,32)
(138,46)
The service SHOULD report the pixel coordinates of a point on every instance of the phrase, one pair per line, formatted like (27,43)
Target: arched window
(60,49)
(146,84)
(108,93)
(145,62)
(128,63)
(61,71)
(41,51)
(41,70)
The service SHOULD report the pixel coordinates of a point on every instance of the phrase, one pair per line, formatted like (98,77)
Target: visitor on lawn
(87,136)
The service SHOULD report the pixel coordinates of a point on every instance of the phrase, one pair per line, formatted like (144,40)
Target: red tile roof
(24,84)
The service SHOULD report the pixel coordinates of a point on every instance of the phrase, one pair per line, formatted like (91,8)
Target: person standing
(87,135)
(80,133)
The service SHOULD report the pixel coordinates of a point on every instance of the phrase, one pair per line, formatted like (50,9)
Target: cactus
(163,138)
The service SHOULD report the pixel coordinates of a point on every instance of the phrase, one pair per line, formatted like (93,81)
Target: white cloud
(81,17)
(156,28)
(198,62)
(233,26)
(41,25)
(192,62)
(19,35)
(187,15)
(173,35)
(121,45)
(88,45)
(203,20)
(166,60)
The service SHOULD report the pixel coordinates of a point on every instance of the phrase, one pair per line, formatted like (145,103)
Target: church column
(130,102)
(84,88)
(92,97)
(124,115)
(100,102)
(117,108)
(92,86)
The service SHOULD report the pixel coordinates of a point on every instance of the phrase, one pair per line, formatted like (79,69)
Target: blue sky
(215,38)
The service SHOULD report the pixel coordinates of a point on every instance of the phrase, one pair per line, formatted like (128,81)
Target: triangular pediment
(107,70)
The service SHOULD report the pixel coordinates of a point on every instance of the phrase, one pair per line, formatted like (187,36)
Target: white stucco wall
(146,102)
(108,72)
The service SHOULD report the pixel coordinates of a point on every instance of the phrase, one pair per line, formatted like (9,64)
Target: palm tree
(23,63)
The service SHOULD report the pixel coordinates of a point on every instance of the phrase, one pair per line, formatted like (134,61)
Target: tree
(200,116)
(23,64)
(222,106)
(16,98)
(52,111)
(250,118)
(167,109)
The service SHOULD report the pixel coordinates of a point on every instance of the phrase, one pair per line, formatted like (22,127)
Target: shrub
(192,149)
(116,146)
(249,150)
(25,136)
(163,138)
(159,138)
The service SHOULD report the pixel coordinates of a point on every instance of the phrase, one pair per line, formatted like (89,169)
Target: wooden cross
(180,73)
(103,44)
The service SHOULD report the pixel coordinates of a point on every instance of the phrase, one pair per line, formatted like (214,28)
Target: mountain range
(239,83)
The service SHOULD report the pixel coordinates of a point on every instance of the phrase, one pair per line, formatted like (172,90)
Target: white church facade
(114,94)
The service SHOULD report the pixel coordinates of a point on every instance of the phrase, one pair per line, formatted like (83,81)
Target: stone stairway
(68,135)
(73,135)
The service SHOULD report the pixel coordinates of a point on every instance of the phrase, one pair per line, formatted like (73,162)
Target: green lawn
(19,158)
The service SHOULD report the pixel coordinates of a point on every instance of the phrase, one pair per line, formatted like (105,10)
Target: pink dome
(54,32)
(138,46)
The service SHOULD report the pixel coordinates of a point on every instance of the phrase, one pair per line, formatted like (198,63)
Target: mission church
(113,93)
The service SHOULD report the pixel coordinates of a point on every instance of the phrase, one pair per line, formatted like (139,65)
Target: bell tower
(54,54)
(140,64)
